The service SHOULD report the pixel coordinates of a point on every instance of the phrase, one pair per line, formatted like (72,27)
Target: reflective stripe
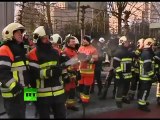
(5,90)
(50,93)
(21,63)
(43,73)
(70,101)
(10,82)
(13,84)
(42,83)
(5,63)
(116,58)
(34,64)
(145,61)
(118,69)
(15,75)
(7,95)
(22,68)
(48,64)
(144,95)
(157,57)
(50,89)
(142,78)
(87,71)
(21,77)
(141,102)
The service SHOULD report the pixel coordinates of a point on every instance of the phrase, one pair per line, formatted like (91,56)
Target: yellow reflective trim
(142,78)
(15,75)
(37,83)
(7,95)
(48,64)
(21,63)
(85,96)
(70,101)
(150,73)
(12,85)
(141,102)
(91,72)
(126,59)
(45,94)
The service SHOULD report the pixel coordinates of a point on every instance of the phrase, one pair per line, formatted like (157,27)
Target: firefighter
(100,46)
(157,70)
(44,62)
(87,67)
(122,63)
(56,41)
(70,87)
(146,74)
(14,70)
(135,80)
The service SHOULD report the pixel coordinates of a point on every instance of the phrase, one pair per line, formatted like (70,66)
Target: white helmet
(102,40)
(122,40)
(140,43)
(39,32)
(76,40)
(56,38)
(7,32)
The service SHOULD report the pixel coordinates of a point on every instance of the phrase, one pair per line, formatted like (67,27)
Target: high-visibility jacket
(70,52)
(38,65)
(122,62)
(13,68)
(85,66)
(136,54)
(147,64)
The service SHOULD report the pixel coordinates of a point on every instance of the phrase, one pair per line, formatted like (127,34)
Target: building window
(71,5)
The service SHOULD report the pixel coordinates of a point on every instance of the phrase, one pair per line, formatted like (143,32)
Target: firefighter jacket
(39,62)
(14,69)
(157,64)
(122,63)
(147,64)
(136,54)
(87,67)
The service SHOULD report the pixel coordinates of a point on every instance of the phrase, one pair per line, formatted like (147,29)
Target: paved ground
(96,108)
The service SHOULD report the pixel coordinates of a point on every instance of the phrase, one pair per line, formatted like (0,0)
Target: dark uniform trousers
(15,106)
(56,103)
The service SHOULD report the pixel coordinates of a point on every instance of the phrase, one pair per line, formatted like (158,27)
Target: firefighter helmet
(56,38)
(122,40)
(140,43)
(7,33)
(148,42)
(101,40)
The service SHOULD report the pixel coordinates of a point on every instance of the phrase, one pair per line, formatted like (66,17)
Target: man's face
(127,44)
(18,36)
(45,39)
(72,43)
(85,42)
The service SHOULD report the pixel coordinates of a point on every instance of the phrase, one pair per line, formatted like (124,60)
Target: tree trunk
(119,23)
(49,17)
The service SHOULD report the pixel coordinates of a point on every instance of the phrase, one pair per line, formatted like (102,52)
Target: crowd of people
(41,63)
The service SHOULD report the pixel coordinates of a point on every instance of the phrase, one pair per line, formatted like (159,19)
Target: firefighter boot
(158,101)
(119,104)
(125,100)
(131,97)
(144,108)
(104,94)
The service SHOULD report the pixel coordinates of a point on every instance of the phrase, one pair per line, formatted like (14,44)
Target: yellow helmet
(122,40)
(149,42)
(140,43)
(7,32)
(56,38)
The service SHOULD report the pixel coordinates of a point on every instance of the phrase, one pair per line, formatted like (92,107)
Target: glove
(54,72)
(78,75)
(17,89)
(65,78)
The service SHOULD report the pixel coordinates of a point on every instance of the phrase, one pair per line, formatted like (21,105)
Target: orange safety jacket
(85,66)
